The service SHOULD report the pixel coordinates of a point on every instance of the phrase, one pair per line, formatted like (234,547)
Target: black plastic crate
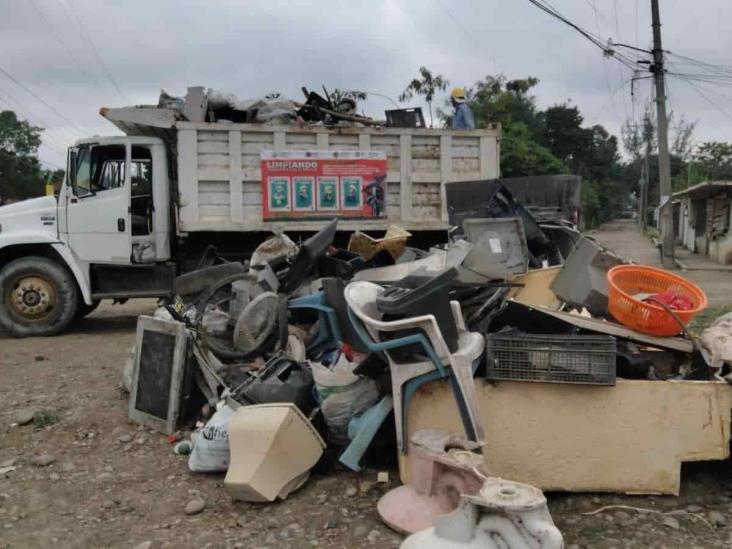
(578,359)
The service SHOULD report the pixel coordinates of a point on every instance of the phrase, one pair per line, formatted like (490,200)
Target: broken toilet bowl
(444,466)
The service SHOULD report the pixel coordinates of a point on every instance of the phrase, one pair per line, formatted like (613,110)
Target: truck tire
(38,297)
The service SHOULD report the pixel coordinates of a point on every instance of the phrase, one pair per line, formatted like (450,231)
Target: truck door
(98,204)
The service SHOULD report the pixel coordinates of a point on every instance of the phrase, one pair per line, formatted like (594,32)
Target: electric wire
(596,40)
(452,16)
(56,141)
(707,98)
(38,98)
(59,38)
(94,50)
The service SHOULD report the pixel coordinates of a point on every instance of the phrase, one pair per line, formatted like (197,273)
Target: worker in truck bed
(462,118)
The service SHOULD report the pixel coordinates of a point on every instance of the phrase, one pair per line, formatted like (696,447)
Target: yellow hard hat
(458,94)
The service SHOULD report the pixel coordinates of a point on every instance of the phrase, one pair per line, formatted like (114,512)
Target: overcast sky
(73,54)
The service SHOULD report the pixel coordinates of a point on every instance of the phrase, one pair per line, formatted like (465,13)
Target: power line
(452,16)
(89,40)
(60,40)
(38,98)
(596,40)
(707,99)
(610,101)
(50,136)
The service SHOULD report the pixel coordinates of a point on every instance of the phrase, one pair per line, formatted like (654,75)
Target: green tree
(498,100)
(521,154)
(713,160)
(20,171)
(427,85)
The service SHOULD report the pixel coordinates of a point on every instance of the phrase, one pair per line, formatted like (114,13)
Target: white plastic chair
(406,377)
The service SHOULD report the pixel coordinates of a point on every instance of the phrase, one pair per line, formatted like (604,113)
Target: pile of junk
(307,355)
(334,108)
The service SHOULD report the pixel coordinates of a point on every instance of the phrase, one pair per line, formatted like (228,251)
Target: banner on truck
(298,184)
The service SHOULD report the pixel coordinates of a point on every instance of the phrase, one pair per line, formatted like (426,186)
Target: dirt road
(84,477)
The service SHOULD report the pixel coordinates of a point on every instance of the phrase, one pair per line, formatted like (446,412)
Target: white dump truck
(137,210)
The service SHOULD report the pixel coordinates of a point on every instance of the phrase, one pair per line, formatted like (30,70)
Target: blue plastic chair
(407,377)
(362,429)
(329,335)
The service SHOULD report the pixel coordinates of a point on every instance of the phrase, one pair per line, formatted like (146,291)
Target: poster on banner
(313,184)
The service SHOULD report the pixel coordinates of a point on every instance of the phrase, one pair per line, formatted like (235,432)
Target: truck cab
(106,235)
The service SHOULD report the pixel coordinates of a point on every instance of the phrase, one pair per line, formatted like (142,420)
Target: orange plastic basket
(625,281)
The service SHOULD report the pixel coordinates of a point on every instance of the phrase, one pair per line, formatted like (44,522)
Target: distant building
(702,219)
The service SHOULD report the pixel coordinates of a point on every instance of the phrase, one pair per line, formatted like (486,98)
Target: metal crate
(580,359)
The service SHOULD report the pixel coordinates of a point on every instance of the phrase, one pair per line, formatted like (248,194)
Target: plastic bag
(275,246)
(329,380)
(210,452)
(343,395)
(340,407)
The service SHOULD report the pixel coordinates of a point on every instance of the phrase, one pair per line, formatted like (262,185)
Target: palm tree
(428,85)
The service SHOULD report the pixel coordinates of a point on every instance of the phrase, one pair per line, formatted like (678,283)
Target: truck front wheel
(39,297)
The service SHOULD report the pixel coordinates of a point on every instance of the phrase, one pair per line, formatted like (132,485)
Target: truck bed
(219,178)
(219,171)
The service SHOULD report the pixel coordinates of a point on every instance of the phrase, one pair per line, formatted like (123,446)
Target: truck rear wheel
(39,297)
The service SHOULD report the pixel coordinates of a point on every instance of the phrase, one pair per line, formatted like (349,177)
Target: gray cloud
(252,48)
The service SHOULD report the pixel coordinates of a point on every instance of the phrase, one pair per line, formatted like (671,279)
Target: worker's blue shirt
(463,118)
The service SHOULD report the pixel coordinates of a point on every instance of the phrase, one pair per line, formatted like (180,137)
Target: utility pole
(647,181)
(664,164)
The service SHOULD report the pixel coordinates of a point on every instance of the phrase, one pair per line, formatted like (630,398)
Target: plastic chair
(329,335)
(407,377)
(362,429)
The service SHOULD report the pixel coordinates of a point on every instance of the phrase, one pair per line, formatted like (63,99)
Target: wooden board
(630,438)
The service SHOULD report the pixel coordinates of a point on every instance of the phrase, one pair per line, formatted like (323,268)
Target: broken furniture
(394,241)
(407,376)
(273,448)
(329,332)
(512,355)
(537,319)
(534,288)
(419,294)
(362,429)
(443,466)
(628,282)
(502,515)
(490,199)
(161,381)
(582,281)
(630,438)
